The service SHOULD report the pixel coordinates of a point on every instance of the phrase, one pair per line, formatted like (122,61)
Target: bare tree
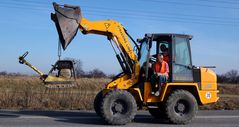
(77,66)
(111,76)
(231,76)
(3,73)
(96,73)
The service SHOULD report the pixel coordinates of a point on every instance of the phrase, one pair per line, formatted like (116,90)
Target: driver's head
(159,58)
(163,47)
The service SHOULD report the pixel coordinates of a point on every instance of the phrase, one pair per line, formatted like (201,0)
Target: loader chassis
(185,80)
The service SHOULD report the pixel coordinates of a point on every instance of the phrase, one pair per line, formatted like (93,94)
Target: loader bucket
(67,19)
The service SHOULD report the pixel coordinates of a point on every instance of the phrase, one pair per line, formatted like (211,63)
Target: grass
(30,93)
(24,92)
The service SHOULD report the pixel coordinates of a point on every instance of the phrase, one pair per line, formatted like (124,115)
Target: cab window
(182,60)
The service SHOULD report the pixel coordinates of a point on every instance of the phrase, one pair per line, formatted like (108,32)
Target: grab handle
(22,58)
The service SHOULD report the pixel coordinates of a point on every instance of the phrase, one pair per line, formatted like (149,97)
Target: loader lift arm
(115,32)
(68,19)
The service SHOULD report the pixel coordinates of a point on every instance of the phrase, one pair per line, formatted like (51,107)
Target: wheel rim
(119,107)
(182,107)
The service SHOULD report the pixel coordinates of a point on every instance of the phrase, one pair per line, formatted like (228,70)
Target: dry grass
(30,93)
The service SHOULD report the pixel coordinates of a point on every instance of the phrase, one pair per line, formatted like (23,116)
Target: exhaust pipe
(66,19)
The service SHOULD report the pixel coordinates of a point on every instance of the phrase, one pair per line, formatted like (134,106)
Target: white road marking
(216,117)
(58,117)
(96,117)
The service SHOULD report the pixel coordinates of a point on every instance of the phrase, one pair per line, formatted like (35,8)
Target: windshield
(143,52)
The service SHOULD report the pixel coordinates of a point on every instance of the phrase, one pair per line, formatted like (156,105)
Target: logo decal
(107,25)
(208,95)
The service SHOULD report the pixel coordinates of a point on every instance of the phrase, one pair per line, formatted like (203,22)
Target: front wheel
(181,107)
(97,103)
(118,107)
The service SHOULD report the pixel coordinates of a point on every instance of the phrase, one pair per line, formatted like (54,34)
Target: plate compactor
(61,75)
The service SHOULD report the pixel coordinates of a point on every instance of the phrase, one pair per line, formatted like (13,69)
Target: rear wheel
(118,107)
(181,107)
(97,103)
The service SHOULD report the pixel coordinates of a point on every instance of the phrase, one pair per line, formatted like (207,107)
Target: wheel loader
(186,88)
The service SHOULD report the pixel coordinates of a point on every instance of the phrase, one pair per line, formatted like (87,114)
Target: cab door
(181,60)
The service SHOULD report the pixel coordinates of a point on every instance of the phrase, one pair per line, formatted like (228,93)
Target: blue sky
(26,26)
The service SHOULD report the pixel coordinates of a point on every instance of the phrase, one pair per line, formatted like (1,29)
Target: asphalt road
(90,119)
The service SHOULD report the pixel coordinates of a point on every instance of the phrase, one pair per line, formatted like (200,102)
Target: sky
(26,26)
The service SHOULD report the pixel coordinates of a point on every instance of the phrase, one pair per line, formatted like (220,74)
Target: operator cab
(175,48)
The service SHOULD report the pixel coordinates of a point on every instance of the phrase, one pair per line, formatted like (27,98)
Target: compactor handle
(22,58)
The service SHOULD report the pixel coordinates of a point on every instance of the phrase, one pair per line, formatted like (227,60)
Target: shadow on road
(81,117)
(8,116)
(96,120)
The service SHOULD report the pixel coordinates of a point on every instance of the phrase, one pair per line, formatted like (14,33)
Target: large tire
(159,112)
(97,103)
(181,107)
(118,107)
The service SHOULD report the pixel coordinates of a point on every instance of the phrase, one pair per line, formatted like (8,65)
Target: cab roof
(158,35)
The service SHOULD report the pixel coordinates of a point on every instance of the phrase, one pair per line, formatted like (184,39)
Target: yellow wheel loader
(186,88)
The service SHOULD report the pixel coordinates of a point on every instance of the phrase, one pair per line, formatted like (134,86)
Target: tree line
(79,72)
(95,73)
(231,77)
